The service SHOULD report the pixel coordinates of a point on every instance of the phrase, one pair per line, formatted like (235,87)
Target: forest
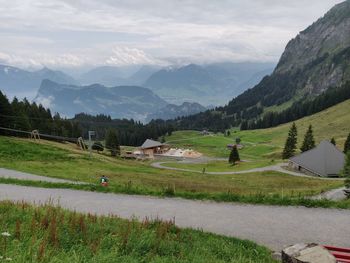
(25,116)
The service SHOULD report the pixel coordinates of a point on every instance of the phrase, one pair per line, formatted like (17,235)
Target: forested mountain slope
(315,61)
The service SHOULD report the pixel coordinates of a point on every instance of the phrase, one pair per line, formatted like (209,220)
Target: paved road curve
(271,226)
(276,168)
(7,173)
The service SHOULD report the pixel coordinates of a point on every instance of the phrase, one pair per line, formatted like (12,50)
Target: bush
(97,146)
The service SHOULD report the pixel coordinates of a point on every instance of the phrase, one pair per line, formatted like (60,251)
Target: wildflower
(5,234)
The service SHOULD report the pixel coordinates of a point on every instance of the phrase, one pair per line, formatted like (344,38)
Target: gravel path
(277,168)
(272,226)
(6,173)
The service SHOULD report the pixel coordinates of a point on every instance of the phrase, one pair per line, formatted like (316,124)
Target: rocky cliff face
(321,52)
(314,61)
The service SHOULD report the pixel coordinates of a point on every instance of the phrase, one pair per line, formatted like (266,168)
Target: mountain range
(172,111)
(181,87)
(118,102)
(117,76)
(206,84)
(22,83)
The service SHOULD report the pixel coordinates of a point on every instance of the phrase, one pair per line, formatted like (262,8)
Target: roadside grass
(221,166)
(48,233)
(281,199)
(56,160)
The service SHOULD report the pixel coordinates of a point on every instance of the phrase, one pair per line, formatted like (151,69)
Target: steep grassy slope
(268,143)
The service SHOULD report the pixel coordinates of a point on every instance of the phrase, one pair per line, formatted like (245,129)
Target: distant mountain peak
(172,111)
(130,102)
(210,84)
(22,83)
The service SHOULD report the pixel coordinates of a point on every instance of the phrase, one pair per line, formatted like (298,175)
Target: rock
(307,253)
(277,256)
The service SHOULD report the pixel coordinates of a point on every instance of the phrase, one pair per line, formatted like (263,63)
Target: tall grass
(50,234)
(256,197)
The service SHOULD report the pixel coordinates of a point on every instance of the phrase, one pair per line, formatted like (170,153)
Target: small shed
(325,160)
(151,147)
(204,132)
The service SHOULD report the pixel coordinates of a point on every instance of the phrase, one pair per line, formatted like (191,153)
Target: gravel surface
(6,173)
(276,167)
(272,226)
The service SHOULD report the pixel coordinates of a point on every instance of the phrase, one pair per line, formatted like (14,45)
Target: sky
(86,33)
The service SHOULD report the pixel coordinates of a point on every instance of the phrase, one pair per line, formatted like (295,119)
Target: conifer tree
(347,144)
(333,141)
(112,142)
(291,142)
(234,156)
(309,141)
(5,112)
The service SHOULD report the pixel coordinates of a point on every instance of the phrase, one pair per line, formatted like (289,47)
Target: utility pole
(91,133)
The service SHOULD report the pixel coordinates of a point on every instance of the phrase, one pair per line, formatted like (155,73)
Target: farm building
(325,160)
(150,147)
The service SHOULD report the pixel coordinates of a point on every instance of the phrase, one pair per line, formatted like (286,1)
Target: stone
(307,253)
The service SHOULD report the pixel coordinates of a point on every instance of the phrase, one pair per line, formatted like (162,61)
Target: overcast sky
(78,33)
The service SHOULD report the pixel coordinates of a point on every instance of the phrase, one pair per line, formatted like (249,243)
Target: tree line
(26,116)
(290,145)
(246,111)
(300,109)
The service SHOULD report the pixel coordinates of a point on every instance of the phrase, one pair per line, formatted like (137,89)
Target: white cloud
(39,60)
(125,56)
(46,102)
(67,33)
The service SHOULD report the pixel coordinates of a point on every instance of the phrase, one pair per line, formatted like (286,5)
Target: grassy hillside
(268,143)
(51,234)
(136,177)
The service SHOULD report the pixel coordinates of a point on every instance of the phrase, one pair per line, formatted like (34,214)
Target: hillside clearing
(135,177)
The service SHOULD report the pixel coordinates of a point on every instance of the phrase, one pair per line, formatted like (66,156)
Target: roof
(151,144)
(324,160)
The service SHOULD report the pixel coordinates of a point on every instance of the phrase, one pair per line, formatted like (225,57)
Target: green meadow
(50,234)
(66,161)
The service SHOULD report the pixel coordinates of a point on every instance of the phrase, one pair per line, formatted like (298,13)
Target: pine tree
(234,156)
(291,142)
(347,144)
(333,141)
(5,112)
(244,125)
(112,142)
(309,141)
